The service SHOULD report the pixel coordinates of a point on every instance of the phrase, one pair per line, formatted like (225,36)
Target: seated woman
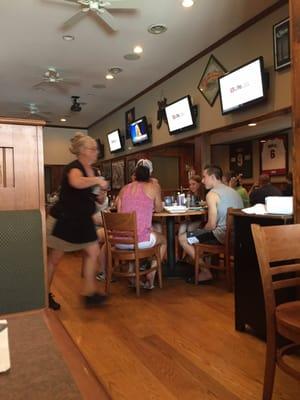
(192,224)
(143,196)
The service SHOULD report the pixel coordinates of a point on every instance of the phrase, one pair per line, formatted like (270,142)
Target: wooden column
(295,84)
(197,155)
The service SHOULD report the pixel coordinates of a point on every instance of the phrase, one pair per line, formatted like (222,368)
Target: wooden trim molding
(21,121)
(209,49)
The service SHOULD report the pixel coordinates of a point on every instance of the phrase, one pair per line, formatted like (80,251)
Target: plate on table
(176,209)
(197,208)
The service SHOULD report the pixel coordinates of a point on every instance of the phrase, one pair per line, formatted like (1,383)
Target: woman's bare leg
(90,265)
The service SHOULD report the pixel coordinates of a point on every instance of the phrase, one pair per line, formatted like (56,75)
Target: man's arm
(212,200)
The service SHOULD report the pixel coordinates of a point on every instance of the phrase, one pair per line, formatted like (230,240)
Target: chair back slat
(284,283)
(285,268)
(282,242)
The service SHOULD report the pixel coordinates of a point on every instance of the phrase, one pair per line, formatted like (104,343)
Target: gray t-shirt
(228,198)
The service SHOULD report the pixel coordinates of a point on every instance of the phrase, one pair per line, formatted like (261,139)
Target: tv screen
(243,86)
(114,141)
(180,115)
(139,131)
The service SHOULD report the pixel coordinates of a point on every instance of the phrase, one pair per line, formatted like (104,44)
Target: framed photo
(130,164)
(274,155)
(281,44)
(209,85)
(106,170)
(240,156)
(129,117)
(117,171)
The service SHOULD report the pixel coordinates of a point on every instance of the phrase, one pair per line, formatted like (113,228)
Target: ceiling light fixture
(115,70)
(252,124)
(68,37)
(132,57)
(63,120)
(187,3)
(109,76)
(138,49)
(157,29)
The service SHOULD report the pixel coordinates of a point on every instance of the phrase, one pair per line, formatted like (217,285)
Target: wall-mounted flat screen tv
(139,131)
(180,115)
(243,86)
(114,141)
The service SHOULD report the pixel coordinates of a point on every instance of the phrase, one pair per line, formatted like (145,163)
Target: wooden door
(21,165)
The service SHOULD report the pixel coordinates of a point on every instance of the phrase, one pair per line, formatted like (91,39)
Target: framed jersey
(241,158)
(274,155)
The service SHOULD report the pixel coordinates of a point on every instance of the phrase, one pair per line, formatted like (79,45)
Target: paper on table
(4,348)
(257,209)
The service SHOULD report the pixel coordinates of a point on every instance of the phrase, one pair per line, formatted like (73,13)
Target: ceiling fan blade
(73,20)
(107,18)
(39,84)
(123,5)
(71,82)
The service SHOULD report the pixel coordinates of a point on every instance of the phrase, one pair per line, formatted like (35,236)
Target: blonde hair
(78,141)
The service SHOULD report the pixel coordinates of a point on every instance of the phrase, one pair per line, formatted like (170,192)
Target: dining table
(172,268)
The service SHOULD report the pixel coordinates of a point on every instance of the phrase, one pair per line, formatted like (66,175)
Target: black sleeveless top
(74,210)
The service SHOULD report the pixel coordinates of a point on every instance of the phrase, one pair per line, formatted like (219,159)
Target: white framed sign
(273,155)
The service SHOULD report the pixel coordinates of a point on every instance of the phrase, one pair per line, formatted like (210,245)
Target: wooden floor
(174,343)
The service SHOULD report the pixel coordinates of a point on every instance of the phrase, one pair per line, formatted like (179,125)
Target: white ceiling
(31,41)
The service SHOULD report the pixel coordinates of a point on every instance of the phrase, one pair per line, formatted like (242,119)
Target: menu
(4,347)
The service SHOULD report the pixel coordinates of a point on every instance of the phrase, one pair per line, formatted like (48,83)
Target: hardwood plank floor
(174,343)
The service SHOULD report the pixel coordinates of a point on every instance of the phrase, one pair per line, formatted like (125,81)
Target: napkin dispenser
(279,204)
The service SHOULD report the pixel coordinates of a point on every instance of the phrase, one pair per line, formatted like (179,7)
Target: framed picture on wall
(209,85)
(106,170)
(274,155)
(117,171)
(130,166)
(240,159)
(281,44)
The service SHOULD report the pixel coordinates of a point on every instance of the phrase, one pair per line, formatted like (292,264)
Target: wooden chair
(224,251)
(120,228)
(279,244)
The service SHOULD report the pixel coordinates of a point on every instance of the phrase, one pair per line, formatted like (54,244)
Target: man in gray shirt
(219,198)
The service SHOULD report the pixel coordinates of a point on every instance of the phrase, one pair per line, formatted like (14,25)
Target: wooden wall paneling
(294,7)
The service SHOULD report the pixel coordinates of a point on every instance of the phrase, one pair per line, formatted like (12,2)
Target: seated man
(219,198)
(259,192)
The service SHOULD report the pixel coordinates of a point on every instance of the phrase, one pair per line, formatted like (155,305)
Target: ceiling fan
(101,9)
(52,77)
(31,110)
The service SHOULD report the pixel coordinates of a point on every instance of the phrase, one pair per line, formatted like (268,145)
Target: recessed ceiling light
(63,120)
(187,3)
(132,57)
(252,124)
(115,70)
(109,76)
(68,37)
(138,49)
(157,29)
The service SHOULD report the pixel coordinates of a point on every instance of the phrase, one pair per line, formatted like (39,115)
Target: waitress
(70,226)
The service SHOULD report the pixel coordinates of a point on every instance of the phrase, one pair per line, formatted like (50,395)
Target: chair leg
(137,277)
(197,261)
(159,272)
(228,272)
(270,367)
(108,275)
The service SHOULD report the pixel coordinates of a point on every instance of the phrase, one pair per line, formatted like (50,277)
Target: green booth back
(22,284)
